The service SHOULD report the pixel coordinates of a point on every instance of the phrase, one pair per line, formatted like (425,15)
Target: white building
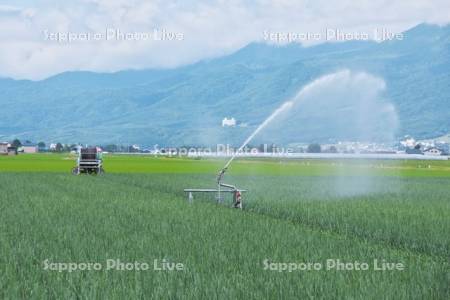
(29,148)
(228,122)
(4,148)
(433,151)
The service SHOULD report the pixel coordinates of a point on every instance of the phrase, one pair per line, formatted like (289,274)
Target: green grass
(151,164)
(295,211)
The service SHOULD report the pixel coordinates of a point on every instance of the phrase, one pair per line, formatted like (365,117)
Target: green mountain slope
(186,105)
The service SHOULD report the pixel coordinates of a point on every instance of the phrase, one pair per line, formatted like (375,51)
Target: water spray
(285,106)
(361,88)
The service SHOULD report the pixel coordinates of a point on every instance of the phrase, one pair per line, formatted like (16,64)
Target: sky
(42,38)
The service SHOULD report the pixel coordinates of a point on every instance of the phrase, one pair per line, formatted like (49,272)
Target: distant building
(7,149)
(433,152)
(4,148)
(30,148)
(443,146)
(12,150)
(228,122)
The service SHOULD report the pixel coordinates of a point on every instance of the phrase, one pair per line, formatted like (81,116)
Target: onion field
(309,229)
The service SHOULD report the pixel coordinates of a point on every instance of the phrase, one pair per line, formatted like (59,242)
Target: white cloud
(210,28)
(9,9)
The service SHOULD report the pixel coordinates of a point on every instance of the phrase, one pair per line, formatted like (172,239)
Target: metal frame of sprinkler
(237,193)
(237,197)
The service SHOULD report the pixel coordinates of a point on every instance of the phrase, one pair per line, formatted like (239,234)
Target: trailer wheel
(100,171)
(75,171)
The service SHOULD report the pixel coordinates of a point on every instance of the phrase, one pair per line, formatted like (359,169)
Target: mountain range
(186,105)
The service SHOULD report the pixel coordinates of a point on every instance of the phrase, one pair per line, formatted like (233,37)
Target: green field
(296,211)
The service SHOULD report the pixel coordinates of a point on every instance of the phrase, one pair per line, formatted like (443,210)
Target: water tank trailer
(89,161)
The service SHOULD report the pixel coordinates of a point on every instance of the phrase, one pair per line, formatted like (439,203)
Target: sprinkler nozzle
(220,175)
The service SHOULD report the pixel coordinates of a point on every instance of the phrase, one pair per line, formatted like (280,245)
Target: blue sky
(203,29)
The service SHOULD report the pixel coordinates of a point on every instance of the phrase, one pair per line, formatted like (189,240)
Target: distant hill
(185,106)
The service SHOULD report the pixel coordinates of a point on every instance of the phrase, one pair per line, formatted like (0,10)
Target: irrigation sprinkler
(237,194)
(222,188)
